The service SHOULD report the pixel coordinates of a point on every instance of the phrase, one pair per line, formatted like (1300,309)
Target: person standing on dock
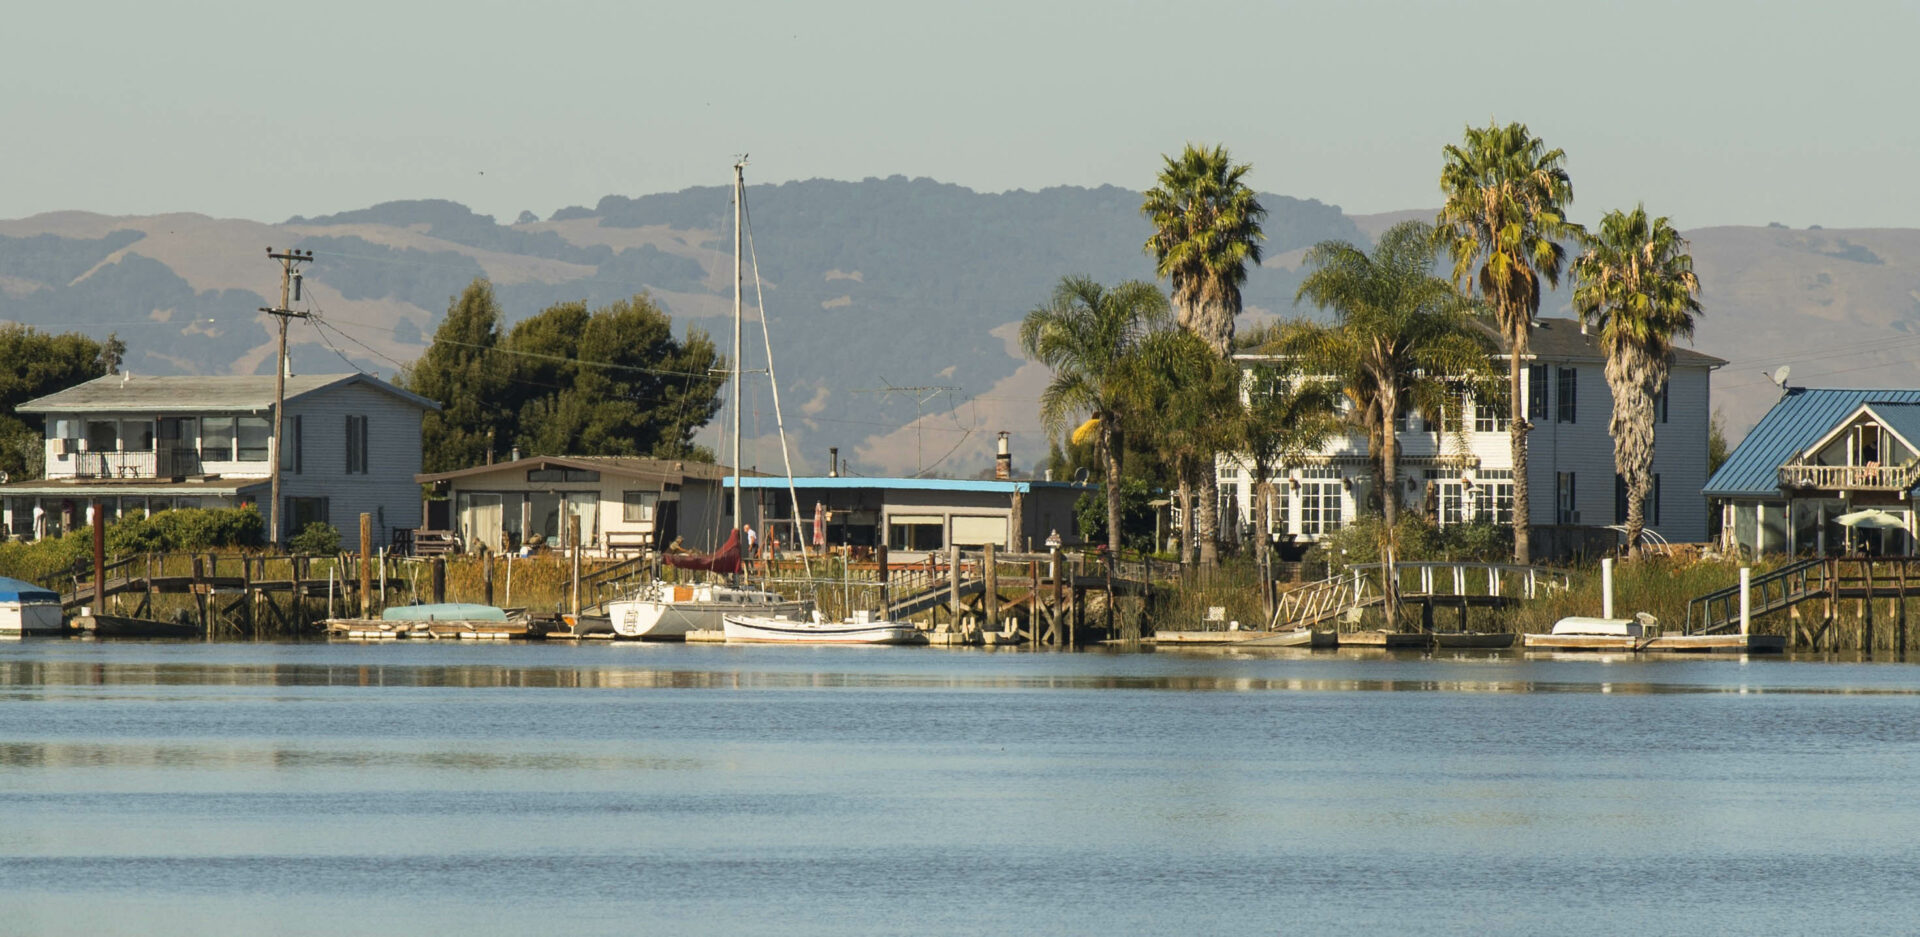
(753,544)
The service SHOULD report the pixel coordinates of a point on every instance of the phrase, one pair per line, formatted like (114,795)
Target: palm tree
(1636,283)
(1206,230)
(1193,395)
(1283,420)
(1506,200)
(1090,336)
(1404,339)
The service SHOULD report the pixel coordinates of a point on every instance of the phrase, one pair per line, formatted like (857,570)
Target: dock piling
(366,571)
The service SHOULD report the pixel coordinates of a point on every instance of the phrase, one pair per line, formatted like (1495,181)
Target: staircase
(1719,612)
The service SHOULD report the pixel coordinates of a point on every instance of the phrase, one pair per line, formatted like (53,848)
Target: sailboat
(862,628)
(668,611)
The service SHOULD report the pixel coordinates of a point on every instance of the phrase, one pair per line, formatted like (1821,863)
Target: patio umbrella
(819,524)
(1871,519)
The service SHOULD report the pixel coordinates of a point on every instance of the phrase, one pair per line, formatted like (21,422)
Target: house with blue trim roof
(1820,454)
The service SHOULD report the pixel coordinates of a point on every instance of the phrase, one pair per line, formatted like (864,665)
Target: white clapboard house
(1463,471)
(138,443)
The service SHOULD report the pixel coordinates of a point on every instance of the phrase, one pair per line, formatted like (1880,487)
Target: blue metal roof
(1902,418)
(19,590)
(907,484)
(1801,417)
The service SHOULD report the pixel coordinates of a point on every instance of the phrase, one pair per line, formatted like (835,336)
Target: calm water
(622,789)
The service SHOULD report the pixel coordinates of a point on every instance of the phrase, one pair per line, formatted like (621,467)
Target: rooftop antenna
(922,395)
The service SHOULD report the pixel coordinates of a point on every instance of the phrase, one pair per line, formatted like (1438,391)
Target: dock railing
(1719,611)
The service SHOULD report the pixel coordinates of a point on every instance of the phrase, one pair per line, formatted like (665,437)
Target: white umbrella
(1872,518)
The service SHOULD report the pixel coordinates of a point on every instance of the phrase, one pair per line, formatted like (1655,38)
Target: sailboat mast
(739,197)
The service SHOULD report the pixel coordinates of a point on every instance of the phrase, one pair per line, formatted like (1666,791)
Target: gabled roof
(1902,419)
(1800,418)
(139,393)
(670,470)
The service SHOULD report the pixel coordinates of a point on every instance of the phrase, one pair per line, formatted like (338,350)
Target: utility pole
(289,291)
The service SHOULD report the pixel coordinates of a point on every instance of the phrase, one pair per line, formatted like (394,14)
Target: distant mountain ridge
(881,283)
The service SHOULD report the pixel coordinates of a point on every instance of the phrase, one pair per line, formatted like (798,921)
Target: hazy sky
(1722,112)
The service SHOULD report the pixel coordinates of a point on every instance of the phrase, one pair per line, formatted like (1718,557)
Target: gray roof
(1561,340)
(138,393)
(673,470)
(1797,421)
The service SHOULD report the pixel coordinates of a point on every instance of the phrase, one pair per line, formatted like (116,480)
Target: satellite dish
(1080,476)
(1780,375)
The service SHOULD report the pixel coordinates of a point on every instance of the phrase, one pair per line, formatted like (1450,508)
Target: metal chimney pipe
(833,461)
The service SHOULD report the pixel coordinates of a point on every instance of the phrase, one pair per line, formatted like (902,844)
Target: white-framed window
(1490,415)
(1493,496)
(1320,500)
(637,506)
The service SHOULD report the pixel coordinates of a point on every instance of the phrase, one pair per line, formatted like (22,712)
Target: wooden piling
(1866,617)
(573,547)
(439,576)
(486,577)
(99,558)
(1900,613)
(200,596)
(990,578)
(366,569)
(250,596)
(953,584)
(1059,570)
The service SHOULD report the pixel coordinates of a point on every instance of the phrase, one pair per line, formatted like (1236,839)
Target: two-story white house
(132,442)
(1461,469)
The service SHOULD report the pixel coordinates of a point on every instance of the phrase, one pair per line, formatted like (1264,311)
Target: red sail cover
(727,560)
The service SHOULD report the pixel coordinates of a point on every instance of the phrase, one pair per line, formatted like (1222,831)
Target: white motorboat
(667,611)
(862,628)
(29,609)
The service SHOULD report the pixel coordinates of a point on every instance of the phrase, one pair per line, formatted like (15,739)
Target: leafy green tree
(1403,339)
(1090,337)
(1717,449)
(1506,197)
(1194,396)
(613,381)
(318,538)
(34,364)
(1636,283)
(465,373)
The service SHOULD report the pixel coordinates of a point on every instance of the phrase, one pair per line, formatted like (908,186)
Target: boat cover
(444,611)
(19,590)
(726,560)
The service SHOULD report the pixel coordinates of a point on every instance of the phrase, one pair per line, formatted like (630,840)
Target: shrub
(316,539)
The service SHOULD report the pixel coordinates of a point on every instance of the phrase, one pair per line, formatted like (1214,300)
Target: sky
(1714,112)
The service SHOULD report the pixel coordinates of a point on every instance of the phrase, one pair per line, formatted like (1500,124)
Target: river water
(638,789)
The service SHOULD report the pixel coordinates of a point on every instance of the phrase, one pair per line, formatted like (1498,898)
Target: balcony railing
(113,465)
(1851,477)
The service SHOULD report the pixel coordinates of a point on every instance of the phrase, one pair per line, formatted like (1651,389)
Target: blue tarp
(17,590)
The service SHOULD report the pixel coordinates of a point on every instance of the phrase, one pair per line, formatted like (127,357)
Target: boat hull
(31,618)
(743,629)
(669,613)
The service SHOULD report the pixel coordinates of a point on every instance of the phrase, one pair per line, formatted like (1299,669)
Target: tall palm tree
(1636,283)
(1090,336)
(1403,338)
(1206,230)
(1506,197)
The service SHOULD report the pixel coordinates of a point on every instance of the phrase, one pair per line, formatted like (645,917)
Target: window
(1490,415)
(1536,392)
(303,511)
(356,445)
(293,458)
(1650,511)
(1567,379)
(1619,498)
(1653,501)
(1493,496)
(572,475)
(1660,405)
(136,435)
(216,439)
(916,532)
(251,436)
(637,506)
(103,436)
(1320,501)
(1568,514)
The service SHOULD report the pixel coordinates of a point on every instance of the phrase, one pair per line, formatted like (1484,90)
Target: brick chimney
(1002,459)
